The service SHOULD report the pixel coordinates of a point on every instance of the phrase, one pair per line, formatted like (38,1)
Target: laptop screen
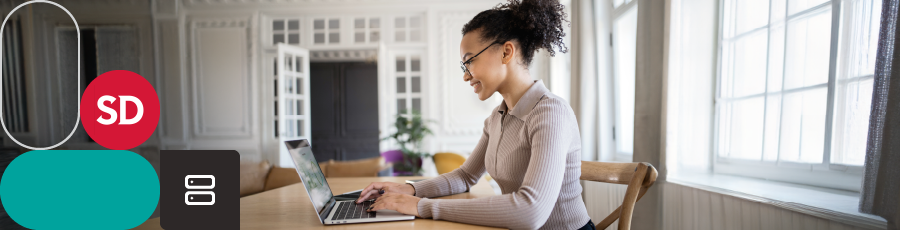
(310,173)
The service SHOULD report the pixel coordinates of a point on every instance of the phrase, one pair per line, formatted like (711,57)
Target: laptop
(330,210)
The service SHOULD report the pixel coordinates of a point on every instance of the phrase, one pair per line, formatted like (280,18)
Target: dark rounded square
(176,165)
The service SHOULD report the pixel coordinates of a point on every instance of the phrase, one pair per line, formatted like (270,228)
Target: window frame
(824,174)
(269,32)
(407,74)
(326,30)
(407,30)
(367,29)
(618,12)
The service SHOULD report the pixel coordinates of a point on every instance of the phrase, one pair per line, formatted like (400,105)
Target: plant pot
(400,166)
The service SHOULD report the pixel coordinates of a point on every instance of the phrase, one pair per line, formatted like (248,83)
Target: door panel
(362,99)
(293,98)
(345,107)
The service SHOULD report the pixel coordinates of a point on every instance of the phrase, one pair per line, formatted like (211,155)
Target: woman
(531,145)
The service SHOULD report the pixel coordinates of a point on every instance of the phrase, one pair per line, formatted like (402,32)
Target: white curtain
(690,87)
(584,75)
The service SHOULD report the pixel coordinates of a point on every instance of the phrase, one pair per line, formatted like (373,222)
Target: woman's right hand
(372,191)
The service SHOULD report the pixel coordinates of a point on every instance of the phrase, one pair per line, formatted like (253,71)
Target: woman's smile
(476,84)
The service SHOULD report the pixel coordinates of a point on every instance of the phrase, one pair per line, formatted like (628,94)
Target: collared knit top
(534,153)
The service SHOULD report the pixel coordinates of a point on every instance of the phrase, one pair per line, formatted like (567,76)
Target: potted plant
(411,130)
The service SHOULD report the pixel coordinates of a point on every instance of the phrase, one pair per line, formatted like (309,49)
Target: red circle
(119,84)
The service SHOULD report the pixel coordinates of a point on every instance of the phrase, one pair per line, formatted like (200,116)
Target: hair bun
(536,24)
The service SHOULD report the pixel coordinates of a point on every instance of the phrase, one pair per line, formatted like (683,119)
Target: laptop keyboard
(352,210)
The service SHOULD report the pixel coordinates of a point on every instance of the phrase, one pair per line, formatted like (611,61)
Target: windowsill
(831,204)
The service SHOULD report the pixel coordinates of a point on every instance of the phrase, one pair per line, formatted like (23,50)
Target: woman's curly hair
(535,24)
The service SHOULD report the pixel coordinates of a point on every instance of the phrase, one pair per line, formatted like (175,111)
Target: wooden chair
(369,167)
(638,176)
(279,177)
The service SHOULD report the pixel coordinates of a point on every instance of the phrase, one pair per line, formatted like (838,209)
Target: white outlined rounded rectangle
(189,193)
(189,186)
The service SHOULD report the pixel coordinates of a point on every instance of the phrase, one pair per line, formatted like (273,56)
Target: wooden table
(289,208)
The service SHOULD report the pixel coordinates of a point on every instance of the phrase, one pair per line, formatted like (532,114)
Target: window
(286,31)
(619,3)
(275,96)
(691,77)
(408,84)
(624,46)
(793,89)
(326,31)
(854,81)
(408,29)
(294,96)
(366,30)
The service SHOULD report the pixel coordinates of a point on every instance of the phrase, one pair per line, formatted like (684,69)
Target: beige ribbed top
(534,153)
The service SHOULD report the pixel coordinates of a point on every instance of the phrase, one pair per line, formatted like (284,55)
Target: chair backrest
(279,177)
(368,167)
(638,176)
(446,162)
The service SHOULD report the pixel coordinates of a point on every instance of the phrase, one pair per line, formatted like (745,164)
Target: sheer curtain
(881,182)
(691,86)
(582,85)
(113,48)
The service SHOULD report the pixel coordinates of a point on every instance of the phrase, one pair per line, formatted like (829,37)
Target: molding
(344,55)
(448,127)
(178,80)
(242,22)
(197,24)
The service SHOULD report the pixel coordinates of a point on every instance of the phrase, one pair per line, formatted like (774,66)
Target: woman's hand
(403,203)
(374,190)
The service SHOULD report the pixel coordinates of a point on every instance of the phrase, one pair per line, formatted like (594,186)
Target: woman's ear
(509,51)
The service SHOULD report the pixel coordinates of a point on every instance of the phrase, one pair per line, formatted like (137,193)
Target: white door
(293,115)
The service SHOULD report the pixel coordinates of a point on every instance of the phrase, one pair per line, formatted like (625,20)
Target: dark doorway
(344,104)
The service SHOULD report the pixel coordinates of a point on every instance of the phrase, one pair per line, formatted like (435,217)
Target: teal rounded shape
(79,189)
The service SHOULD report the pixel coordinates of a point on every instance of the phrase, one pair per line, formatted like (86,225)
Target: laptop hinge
(327,210)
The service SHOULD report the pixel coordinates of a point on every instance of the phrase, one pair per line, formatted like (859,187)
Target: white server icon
(199,182)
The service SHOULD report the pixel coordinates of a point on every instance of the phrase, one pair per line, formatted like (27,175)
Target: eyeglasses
(462,64)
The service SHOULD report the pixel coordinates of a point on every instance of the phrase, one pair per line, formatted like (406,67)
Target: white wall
(216,91)
(210,64)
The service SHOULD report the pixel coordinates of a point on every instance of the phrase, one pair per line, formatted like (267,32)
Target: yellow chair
(446,162)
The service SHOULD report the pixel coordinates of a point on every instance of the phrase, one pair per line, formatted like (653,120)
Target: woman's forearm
(456,181)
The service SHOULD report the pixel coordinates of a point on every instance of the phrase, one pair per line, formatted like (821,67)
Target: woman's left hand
(402,203)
